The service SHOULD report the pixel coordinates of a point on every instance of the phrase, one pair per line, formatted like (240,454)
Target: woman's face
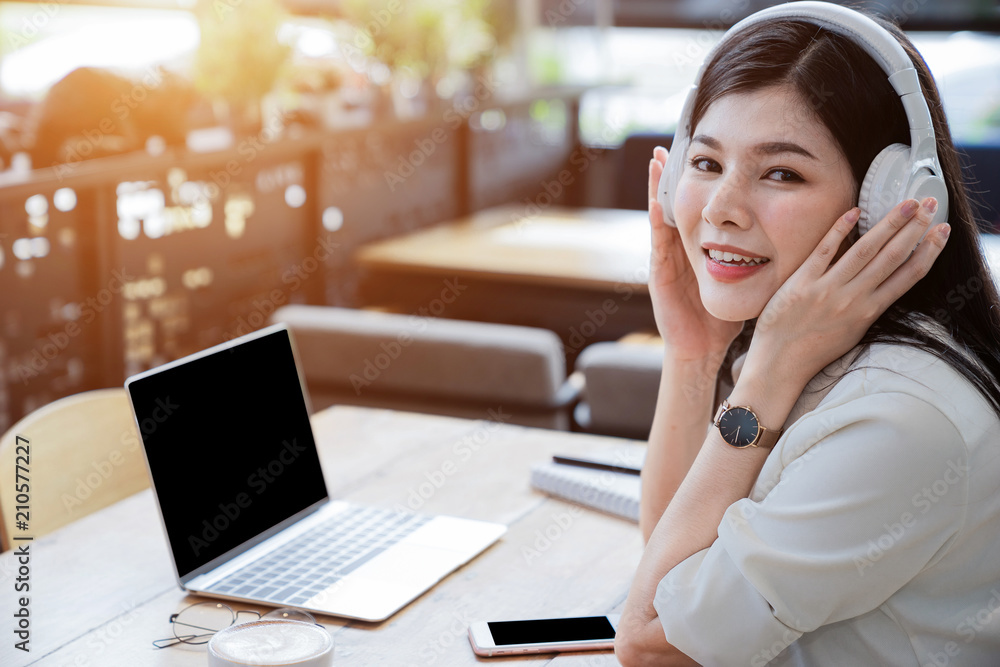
(764,177)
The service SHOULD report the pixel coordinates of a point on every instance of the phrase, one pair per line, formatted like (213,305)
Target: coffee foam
(271,642)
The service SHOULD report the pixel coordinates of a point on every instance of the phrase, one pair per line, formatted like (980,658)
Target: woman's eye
(705,164)
(783,175)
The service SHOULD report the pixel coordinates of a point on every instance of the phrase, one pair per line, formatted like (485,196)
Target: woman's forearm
(683,412)
(720,476)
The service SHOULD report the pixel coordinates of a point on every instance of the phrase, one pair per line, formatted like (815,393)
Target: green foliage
(239,58)
(429,38)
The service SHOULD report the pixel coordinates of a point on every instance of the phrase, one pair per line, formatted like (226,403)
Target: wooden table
(582,270)
(102,588)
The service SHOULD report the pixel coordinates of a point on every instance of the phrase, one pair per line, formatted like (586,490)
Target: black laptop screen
(229,446)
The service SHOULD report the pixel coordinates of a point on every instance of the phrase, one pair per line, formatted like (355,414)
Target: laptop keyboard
(321,556)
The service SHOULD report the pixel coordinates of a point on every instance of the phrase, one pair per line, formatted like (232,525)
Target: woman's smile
(731,270)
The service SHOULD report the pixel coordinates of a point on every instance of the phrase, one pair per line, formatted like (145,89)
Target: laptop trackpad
(387,581)
(406,561)
(448,532)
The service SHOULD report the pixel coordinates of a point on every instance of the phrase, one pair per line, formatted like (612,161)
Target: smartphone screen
(548,630)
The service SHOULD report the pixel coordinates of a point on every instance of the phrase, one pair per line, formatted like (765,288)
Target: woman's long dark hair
(851,95)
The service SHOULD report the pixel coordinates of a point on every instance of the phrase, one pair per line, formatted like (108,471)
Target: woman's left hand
(822,311)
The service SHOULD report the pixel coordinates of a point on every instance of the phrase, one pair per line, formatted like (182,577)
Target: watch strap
(766,438)
(718,413)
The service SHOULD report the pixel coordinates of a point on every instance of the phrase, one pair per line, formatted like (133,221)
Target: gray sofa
(426,364)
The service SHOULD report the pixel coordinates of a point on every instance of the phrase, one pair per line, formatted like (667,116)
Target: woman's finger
(660,153)
(898,248)
(820,259)
(658,231)
(907,275)
(868,246)
(655,169)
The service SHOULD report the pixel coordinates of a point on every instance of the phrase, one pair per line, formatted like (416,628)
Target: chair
(84,454)
(433,365)
(621,382)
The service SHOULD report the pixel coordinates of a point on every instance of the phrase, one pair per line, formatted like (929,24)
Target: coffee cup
(271,642)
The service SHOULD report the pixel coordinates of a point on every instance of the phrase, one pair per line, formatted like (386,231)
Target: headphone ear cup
(884,185)
(927,184)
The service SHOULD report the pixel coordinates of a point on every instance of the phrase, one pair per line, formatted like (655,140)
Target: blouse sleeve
(876,494)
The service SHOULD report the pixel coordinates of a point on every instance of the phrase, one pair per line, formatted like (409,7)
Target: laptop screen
(229,446)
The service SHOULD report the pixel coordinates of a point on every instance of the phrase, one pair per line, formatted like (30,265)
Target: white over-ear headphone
(899,171)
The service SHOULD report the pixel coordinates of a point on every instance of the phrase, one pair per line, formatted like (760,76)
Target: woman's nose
(729,201)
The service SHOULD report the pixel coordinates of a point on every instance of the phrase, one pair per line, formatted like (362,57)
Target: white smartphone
(543,635)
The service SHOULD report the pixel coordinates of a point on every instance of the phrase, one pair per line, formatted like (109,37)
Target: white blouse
(872,535)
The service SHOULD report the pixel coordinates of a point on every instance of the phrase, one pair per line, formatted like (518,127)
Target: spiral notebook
(613,492)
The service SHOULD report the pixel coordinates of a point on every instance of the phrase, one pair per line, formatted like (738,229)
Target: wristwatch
(740,427)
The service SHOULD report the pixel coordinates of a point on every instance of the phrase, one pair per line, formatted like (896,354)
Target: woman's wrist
(694,377)
(684,408)
(771,395)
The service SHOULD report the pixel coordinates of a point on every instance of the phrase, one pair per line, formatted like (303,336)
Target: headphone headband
(873,38)
(881,45)
(869,35)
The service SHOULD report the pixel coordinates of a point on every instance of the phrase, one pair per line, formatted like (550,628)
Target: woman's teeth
(733,258)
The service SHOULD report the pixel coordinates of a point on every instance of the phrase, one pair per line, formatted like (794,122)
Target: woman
(870,534)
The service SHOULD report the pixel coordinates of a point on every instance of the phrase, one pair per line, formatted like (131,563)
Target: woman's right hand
(689,331)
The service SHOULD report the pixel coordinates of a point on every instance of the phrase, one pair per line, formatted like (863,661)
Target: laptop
(237,480)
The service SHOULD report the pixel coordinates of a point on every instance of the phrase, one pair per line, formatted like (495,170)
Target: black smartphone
(544,635)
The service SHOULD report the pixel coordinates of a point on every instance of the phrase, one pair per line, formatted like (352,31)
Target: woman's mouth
(733,259)
(730,267)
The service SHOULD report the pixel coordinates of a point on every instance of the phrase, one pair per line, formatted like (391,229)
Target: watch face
(738,427)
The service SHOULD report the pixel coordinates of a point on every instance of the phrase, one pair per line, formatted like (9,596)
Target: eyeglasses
(197,623)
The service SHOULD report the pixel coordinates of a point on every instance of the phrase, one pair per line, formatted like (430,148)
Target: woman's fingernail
(909,207)
(946,231)
(930,204)
(853,215)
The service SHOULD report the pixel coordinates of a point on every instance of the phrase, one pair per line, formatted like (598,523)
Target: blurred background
(172,171)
